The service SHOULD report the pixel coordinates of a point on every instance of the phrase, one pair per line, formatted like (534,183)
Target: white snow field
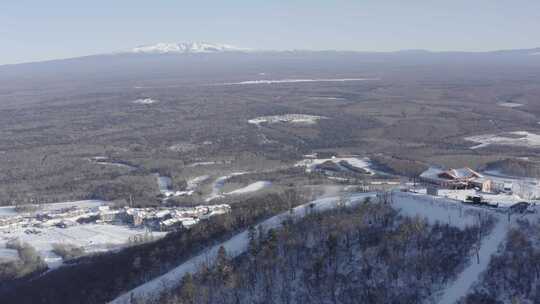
(234,247)
(278,81)
(311,163)
(197,164)
(287,118)
(9,211)
(510,104)
(516,138)
(437,209)
(325,98)
(503,199)
(254,187)
(91,237)
(145,101)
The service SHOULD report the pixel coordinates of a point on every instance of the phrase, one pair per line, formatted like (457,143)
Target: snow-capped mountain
(186,47)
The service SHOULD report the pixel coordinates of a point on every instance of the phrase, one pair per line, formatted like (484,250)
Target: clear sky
(32,30)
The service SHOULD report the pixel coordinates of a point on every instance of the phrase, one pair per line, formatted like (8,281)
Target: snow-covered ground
(218,186)
(503,199)
(437,209)
(278,81)
(510,104)
(287,118)
(9,211)
(516,138)
(90,237)
(103,160)
(193,183)
(93,226)
(234,247)
(145,101)
(254,187)
(311,163)
(165,188)
(326,98)
(207,163)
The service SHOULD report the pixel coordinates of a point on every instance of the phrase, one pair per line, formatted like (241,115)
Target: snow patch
(278,81)
(254,187)
(326,98)
(218,186)
(90,237)
(516,138)
(510,104)
(287,118)
(145,101)
(311,163)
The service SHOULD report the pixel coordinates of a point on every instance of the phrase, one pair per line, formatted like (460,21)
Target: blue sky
(32,30)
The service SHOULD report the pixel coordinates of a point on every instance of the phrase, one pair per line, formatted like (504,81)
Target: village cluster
(154,219)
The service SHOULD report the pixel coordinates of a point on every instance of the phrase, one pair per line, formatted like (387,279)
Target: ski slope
(437,209)
(459,288)
(452,212)
(254,187)
(234,247)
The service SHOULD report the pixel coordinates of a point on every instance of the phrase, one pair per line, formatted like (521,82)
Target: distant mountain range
(161,50)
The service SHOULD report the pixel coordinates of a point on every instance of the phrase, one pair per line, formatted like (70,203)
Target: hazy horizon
(36,31)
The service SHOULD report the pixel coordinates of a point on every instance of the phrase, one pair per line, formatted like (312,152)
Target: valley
(119,186)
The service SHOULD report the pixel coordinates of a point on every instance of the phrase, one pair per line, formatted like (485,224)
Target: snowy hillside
(185,47)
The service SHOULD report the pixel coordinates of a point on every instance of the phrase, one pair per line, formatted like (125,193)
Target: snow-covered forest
(364,254)
(513,275)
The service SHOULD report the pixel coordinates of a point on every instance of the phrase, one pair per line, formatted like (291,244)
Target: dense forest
(366,254)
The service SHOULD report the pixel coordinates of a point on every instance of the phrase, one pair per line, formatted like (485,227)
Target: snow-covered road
(234,247)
